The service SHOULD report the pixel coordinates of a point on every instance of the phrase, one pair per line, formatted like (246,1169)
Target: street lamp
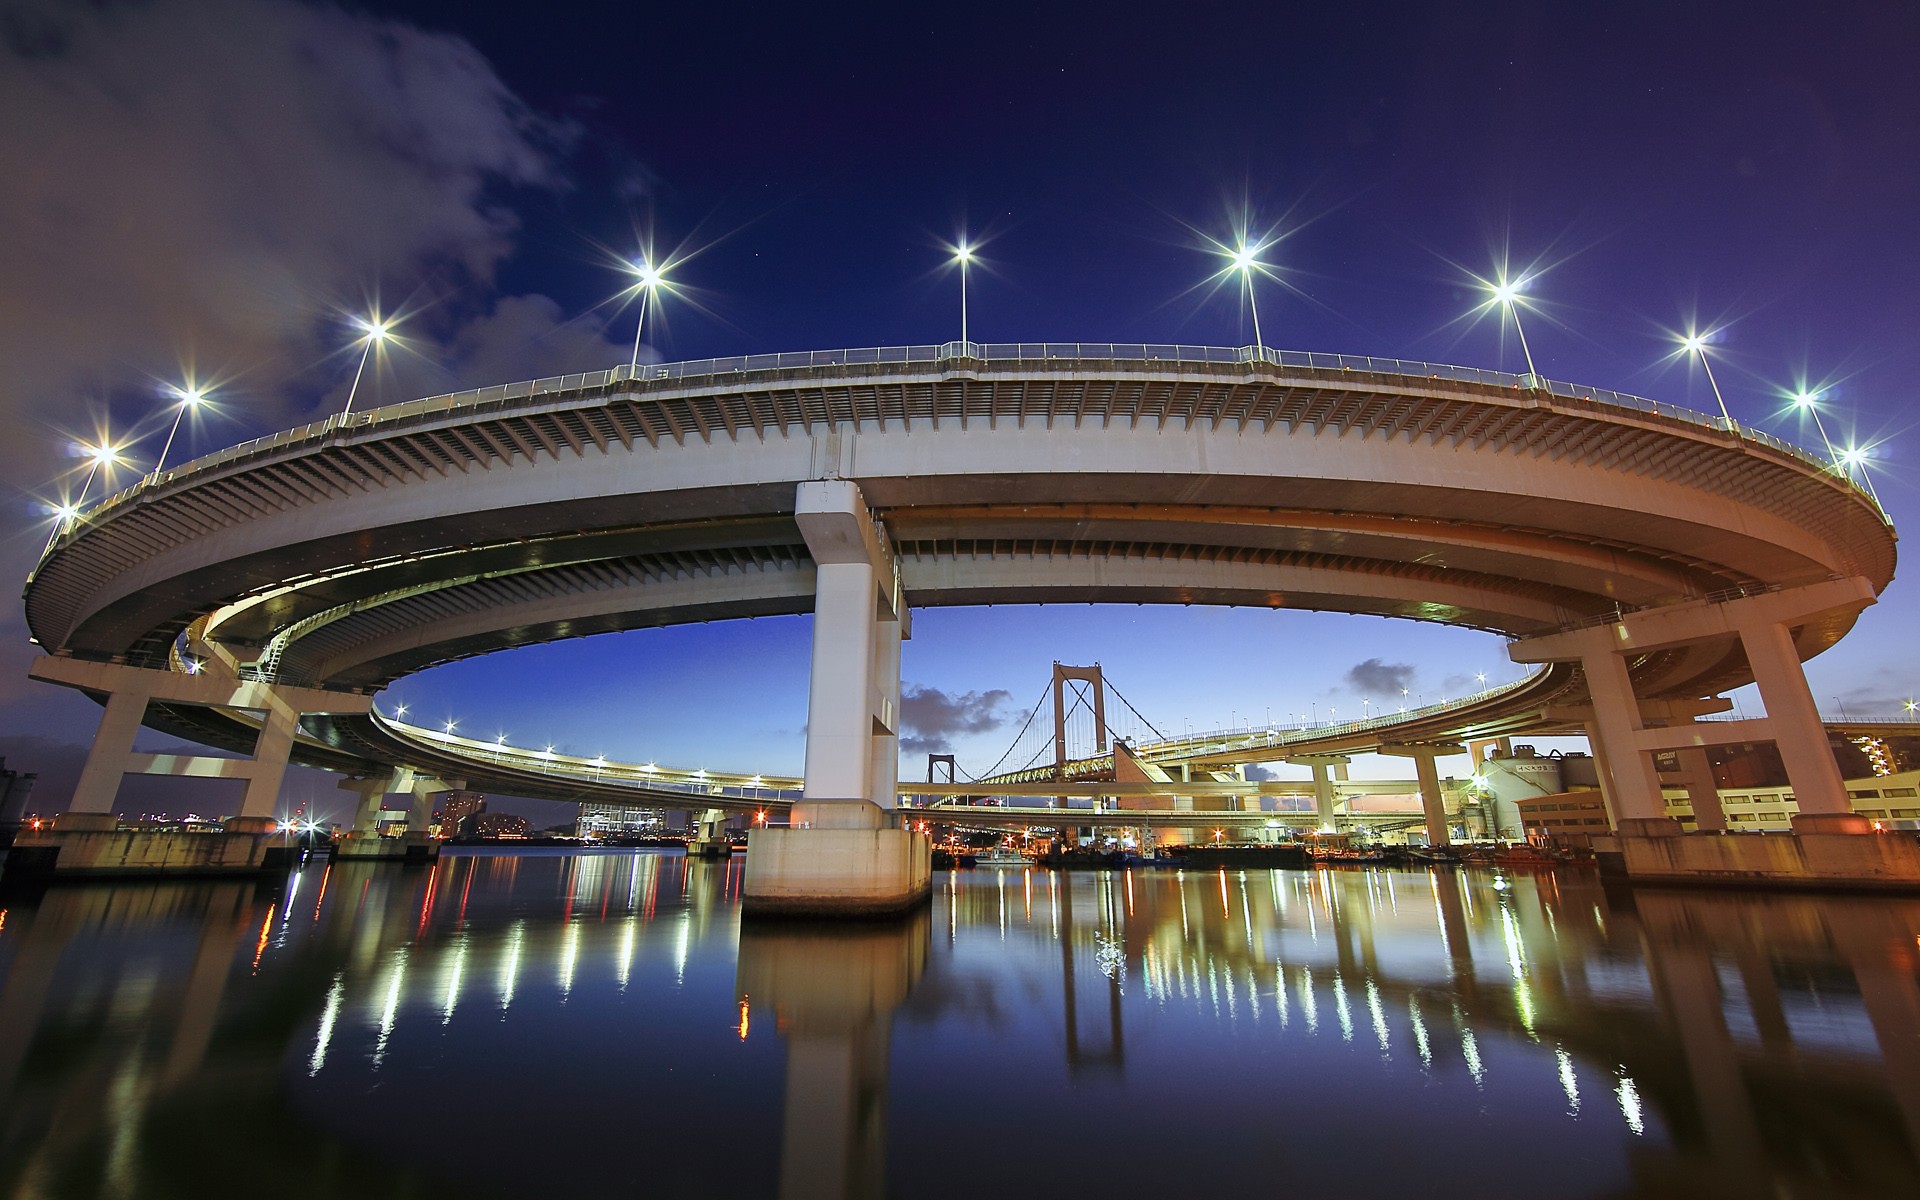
(190,397)
(375,332)
(963,254)
(1809,402)
(1246,260)
(99,456)
(649,277)
(1696,343)
(1506,293)
(1856,456)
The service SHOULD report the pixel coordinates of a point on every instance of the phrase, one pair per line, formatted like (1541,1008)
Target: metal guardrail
(958,355)
(638,776)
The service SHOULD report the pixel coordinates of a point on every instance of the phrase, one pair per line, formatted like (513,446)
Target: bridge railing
(649,777)
(955,354)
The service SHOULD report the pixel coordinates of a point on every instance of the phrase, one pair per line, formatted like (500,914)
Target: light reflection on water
(547,1024)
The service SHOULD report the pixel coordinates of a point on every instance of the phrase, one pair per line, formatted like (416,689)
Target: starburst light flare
(1696,343)
(648,278)
(374,331)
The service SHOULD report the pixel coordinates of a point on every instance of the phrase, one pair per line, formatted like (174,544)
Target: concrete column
(1326,769)
(1323,794)
(839,763)
(884,772)
(107,760)
(1697,770)
(366,817)
(270,752)
(1627,778)
(843,855)
(420,812)
(1797,728)
(1431,802)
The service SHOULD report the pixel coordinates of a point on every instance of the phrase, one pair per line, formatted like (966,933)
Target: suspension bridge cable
(1136,712)
(1031,714)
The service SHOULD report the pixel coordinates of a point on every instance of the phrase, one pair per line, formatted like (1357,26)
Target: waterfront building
(456,807)
(616,820)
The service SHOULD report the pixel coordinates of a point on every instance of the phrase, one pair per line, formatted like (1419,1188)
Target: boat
(1002,858)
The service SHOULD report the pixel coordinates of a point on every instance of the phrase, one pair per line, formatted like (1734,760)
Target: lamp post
(102,455)
(649,278)
(1507,295)
(375,333)
(190,397)
(963,254)
(1697,344)
(1855,456)
(1809,402)
(1246,260)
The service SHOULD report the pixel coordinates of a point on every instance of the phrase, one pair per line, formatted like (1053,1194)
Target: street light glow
(1696,343)
(1245,258)
(374,330)
(649,279)
(1506,293)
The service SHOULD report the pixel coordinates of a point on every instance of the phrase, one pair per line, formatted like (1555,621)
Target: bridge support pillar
(1326,769)
(88,838)
(416,845)
(845,852)
(1798,731)
(710,840)
(1696,771)
(1433,804)
(1831,847)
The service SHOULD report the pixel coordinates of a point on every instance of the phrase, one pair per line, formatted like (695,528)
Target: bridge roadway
(346,554)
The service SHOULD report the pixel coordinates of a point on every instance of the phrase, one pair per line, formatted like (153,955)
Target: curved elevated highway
(330,560)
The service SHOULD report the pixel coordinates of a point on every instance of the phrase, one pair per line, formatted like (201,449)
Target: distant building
(456,807)
(15,790)
(1890,801)
(614,820)
(498,825)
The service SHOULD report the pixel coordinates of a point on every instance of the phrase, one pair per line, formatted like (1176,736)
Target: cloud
(209,187)
(929,717)
(1259,774)
(1376,677)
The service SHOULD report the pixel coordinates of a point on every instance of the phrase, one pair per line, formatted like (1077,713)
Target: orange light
(743,1018)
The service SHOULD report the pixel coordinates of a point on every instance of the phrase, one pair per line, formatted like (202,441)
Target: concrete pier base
(97,846)
(838,860)
(1808,858)
(371,847)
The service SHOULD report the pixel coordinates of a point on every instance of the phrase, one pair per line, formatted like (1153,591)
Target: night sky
(210,187)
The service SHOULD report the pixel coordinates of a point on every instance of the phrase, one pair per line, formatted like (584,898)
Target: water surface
(555,1024)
